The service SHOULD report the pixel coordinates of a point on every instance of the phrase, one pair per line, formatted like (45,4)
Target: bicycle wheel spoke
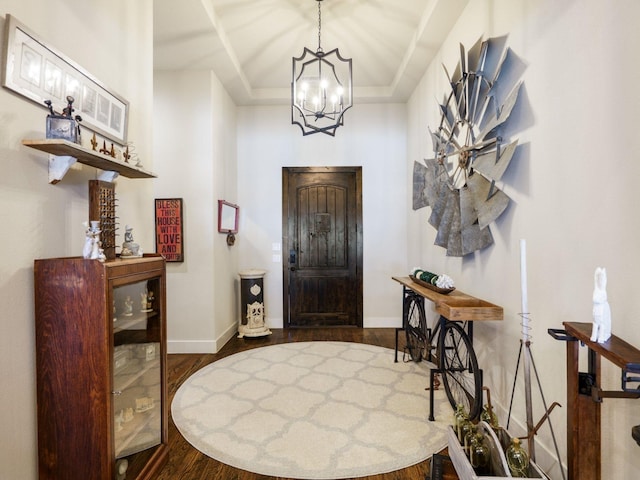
(459,366)
(415,327)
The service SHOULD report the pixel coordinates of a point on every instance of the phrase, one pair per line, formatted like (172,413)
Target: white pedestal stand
(252,323)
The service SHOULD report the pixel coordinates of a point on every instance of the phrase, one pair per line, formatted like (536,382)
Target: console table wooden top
(457,305)
(616,350)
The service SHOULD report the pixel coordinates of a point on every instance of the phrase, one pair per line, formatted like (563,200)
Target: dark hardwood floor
(187,463)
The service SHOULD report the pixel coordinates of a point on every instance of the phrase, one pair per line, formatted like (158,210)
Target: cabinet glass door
(137,378)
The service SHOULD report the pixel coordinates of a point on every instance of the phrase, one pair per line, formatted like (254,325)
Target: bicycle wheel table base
(461,376)
(415,327)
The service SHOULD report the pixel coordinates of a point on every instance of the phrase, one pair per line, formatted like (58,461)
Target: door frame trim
(358,295)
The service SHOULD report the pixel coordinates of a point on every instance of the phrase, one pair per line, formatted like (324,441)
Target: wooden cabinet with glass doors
(101,368)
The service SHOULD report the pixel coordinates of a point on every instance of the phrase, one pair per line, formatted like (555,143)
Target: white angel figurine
(88,241)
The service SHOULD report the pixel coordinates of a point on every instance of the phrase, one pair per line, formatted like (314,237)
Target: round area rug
(312,410)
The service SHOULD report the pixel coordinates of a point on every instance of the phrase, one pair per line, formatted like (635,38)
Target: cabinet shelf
(64,148)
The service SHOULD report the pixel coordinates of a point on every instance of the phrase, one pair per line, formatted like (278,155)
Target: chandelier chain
(319,25)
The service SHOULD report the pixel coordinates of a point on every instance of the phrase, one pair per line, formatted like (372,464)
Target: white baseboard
(214,345)
(202,346)
(228,334)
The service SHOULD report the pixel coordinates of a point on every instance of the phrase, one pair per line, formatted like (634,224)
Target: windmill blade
(448,122)
(463,101)
(449,226)
(433,181)
(475,238)
(490,201)
(472,236)
(454,244)
(481,87)
(495,57)
(419,175)
(501,116)
(468,212)
(455,82)
(457,74)
(501,64)
(438,208)
(436,140)
(474,56)
(443,214)
(490,166)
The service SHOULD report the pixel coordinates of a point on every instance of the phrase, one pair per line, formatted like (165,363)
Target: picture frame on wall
(39,72)
(169,229)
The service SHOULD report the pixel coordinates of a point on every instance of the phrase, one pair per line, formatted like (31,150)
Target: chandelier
(321,88)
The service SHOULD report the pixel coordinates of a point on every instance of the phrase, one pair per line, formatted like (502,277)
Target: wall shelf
(68,153)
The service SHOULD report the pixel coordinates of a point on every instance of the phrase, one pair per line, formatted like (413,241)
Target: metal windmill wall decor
(459,182)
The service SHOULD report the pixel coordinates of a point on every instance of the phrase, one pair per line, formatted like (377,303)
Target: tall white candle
(523,284)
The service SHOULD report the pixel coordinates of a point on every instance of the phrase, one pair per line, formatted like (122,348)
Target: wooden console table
(455,306)
(584,394)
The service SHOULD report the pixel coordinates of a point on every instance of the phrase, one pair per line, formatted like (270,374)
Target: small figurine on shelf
(88,241)
(92,245)
(143,404)
(129,247)
(128,307)
(63,125)
(150,352)
(128,414)
(601,331)
(146,301)
(121,468)
(118,420)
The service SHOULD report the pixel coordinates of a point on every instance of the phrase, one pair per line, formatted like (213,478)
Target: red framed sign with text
(169,229)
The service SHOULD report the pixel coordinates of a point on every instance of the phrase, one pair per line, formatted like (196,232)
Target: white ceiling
(250,44)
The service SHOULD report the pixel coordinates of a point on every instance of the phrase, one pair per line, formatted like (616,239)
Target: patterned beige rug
(312,410)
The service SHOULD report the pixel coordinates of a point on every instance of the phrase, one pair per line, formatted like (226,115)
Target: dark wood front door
(322,246)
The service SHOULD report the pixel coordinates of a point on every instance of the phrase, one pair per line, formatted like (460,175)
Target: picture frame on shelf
(39,72)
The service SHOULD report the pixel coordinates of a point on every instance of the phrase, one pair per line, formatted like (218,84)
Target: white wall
(571,185)
(373,137)
(195,148)
(573,197)
(112,39)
